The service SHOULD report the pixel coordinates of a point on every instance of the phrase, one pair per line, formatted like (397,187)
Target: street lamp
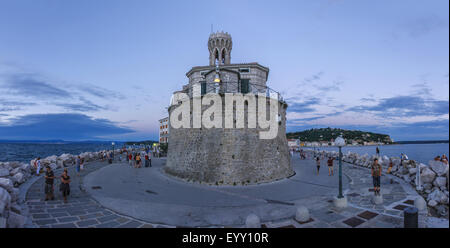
(340,142)
(113,149)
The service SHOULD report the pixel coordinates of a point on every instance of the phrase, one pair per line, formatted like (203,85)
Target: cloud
(406,106)
(28,85)
(59,126)
(100,92)
(303,107)
(425,25)
(335,86)
(314,77)
(8,105)
(84,106)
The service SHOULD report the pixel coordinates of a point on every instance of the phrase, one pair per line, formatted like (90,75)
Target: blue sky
(82,69)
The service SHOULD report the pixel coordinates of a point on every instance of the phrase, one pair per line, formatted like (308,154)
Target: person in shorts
(49,179)
(376,175)
(330,166)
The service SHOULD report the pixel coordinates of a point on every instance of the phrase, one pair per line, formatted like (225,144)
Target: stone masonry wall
(229,156)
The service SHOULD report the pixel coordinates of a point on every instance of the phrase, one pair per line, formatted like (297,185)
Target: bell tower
(219,46)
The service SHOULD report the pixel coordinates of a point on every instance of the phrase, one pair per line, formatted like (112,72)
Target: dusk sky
(85,70)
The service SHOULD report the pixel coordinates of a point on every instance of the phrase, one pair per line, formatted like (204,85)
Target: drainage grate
(280,202)
(353,222)
(353,194)
(96,187)
(304,222)
(400,207)
(367,215)
(151,192)
(289,226)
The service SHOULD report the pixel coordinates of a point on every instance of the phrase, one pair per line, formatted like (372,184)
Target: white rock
(19,178)
(420,203)
(252,221)
(302,214)
(5,200)
(4,172)
(14,193)
(440,181)
(432,203)
(26,168)
(427,175)
(439,167)
(6,183)
(438,196)
(16,220)
(412,171)
(53,166)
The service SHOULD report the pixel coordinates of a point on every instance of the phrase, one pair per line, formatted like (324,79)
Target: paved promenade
(120,196)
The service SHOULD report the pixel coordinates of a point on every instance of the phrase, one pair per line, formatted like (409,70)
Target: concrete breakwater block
(302,214)
(340,202)
(252,221)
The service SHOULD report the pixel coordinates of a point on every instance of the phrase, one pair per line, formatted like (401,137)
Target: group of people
(442,158)
(135,159)
(49,187)
(329,163)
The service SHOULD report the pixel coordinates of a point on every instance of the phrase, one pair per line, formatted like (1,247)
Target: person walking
(376,175)
(318,164)
(330,166)
(378,152)
(65,185)
(37,165)
(78,165)
(138,160)
(49,179)
(130,159)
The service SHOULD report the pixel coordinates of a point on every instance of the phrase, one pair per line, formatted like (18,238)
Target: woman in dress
(65,187)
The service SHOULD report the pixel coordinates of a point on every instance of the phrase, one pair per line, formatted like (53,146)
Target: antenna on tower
(212,28)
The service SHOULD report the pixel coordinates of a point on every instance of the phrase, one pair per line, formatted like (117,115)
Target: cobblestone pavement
(80,211)
(83,211)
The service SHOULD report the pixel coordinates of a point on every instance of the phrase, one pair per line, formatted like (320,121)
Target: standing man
(376,175)
(49,178)
(38,165)
(378,152)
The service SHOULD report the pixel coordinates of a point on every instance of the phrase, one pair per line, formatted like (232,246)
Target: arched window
(223,55)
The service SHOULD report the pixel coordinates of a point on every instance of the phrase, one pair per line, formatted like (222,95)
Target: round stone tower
(219,45)
(233,154)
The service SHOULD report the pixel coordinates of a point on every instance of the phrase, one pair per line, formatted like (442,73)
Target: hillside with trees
(329,134)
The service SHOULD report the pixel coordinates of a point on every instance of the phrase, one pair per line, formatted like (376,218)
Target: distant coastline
(422,142)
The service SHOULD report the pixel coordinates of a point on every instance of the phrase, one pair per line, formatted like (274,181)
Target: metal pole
(340,174)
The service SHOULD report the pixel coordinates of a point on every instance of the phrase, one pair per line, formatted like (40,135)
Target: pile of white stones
(433,177)
(13,174)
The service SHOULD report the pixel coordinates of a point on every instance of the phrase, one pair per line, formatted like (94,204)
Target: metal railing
(231,87)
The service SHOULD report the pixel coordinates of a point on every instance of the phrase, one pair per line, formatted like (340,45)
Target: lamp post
(113,149)
(340,142)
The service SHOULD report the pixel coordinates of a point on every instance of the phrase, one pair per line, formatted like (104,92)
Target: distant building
(164,130)
(293,143)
